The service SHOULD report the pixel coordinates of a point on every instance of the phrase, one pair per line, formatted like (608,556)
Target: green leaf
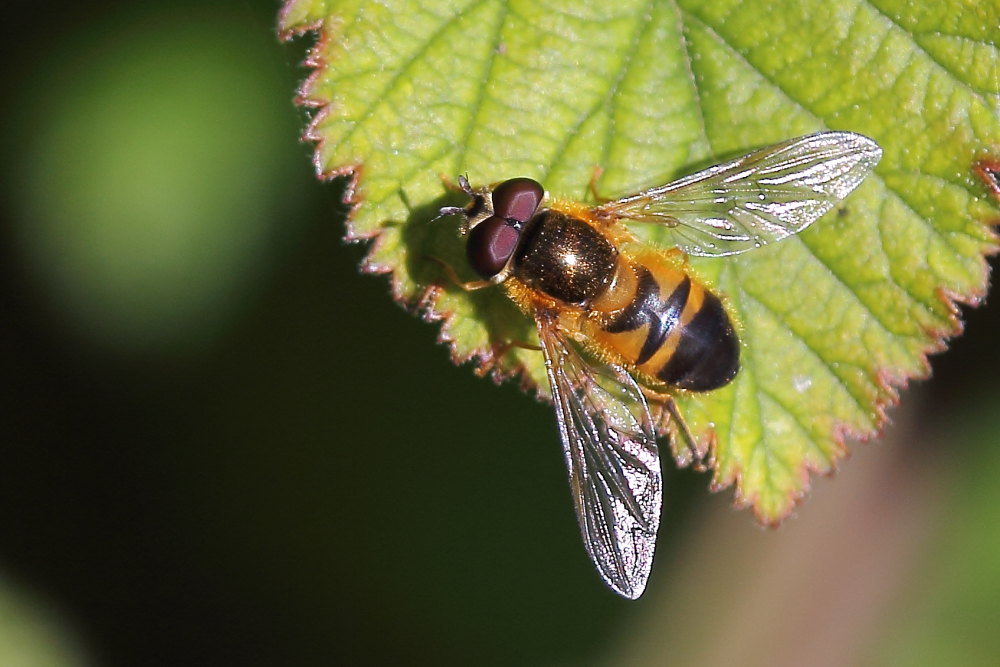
(833,321)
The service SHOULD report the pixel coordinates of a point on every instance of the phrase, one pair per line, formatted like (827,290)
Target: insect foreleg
(468,286)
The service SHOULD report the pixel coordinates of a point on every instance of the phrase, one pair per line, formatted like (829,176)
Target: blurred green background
(221,444)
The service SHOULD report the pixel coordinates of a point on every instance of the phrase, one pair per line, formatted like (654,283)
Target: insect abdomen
(672,329)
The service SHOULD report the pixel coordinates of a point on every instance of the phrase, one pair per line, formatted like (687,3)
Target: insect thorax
(564,258)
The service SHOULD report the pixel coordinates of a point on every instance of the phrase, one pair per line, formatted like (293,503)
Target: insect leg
(498,353)
(669,405)
(592,186)
(697,457)
(469,286)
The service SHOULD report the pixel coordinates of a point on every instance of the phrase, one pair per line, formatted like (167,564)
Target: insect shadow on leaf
(432,240)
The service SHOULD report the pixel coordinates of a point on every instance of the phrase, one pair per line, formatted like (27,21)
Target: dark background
(253,456)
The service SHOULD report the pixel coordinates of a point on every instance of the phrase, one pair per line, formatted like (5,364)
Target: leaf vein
(602,102)
(919,47)
(780,321)
(692,78)
(407,65)
(901,196)
(481,92)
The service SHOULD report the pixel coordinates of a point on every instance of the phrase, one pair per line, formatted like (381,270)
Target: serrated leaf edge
(427,306)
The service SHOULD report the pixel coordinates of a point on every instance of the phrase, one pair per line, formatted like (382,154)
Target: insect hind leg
(669,412)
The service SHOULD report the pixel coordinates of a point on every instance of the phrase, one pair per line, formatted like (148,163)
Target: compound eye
(491,244)
(517,199)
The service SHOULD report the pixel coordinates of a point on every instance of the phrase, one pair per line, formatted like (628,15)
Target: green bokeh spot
(150,200)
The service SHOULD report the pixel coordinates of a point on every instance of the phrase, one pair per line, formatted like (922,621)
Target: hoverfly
(645,326)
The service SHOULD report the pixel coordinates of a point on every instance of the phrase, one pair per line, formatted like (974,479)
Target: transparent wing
(757,199)
(614,466)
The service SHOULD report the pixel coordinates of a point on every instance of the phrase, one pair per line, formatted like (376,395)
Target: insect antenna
(445,211)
